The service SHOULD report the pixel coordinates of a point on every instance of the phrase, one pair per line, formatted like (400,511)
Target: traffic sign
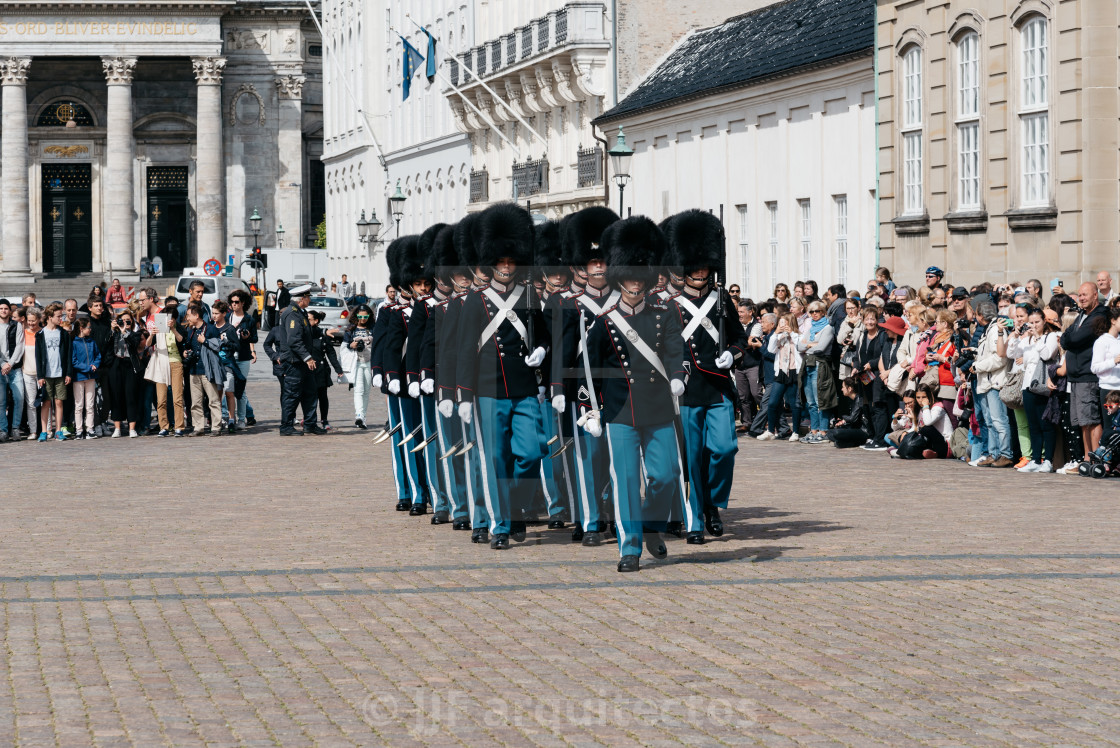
(212,267)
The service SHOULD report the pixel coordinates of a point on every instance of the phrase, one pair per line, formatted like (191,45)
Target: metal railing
(561,31)
(531,177)
(589,168)
(480,186)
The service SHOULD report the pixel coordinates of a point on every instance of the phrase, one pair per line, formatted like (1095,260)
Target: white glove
(535,359)
(559,403)
(465,412)
(593,427)
(395,387)
(676,386)
(726,360)
(446,408)
(377,381)
(414,390)
(428,386)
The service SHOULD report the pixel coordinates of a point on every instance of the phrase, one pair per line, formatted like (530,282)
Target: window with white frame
(772,209)
(1034,111)
(912,175)
(968,121)
(840,208)
(806,239)
(744,245)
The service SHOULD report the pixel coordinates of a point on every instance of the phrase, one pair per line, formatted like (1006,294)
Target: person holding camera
(359,339)
(991,374)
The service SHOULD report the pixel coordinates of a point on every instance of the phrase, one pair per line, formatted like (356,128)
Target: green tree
(321,235)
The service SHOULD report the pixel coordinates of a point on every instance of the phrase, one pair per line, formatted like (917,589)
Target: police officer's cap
(303,289)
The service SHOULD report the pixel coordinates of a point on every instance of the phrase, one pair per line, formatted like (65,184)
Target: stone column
(210,195)
(16,239)
(289,147)
(118,214)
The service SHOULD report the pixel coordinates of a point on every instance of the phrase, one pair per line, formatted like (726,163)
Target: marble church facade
(145,129)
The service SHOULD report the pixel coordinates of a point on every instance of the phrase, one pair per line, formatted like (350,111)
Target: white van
(214,287)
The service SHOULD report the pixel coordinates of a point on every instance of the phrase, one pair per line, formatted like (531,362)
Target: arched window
(58,113)
(1034,110)
(912,131)
(968,121)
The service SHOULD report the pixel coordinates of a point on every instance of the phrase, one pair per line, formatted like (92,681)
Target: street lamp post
(255,223)
(280,235)
(620,164)
(369,230)
(396,200)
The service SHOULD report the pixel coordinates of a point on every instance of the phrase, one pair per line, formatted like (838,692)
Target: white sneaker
(794,437)
(116,433)
(767,436)
(1045,467)
(1070,468)
(132,434)
(976,462)
(1030,467)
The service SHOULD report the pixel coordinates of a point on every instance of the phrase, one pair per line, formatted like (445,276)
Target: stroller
(1103,461)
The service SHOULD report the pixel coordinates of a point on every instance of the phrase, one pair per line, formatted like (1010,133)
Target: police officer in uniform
(298,366)
(714,341)
(635,348)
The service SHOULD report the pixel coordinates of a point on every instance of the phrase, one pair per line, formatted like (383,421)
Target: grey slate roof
(773,40)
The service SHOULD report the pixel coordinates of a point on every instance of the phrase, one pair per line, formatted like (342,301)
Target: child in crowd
(85,358)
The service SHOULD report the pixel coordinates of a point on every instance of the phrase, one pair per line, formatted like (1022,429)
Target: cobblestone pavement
(279,599)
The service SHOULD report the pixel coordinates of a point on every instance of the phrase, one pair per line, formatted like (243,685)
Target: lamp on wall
(620,164)
(396,200)
(369,230)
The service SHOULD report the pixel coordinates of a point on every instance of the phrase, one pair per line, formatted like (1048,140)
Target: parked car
(337,315)
(214,288)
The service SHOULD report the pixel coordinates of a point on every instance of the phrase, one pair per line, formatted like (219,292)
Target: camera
(361,346)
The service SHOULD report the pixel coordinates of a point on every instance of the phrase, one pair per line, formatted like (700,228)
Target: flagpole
(474,109)
(491,91)
(349,91)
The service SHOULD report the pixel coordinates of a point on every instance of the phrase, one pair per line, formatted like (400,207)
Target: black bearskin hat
(393,260)
(443,260)
(581,234)
(548,258)
(428,238)
(634,248)
(465,245)
(413,262)
(696,240)
(504,230)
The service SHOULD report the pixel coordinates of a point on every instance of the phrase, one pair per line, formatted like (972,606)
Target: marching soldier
(414,284)
(421,384)
(551,278)
(714,340)
(502,379)
(571,375)
(298,386)
(377,368)
(635,348)
(437,367)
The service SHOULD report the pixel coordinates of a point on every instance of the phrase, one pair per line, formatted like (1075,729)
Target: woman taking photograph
(1019,315)
(787,370)
(848,336)
(1037,348)
(124,372)
(359,341)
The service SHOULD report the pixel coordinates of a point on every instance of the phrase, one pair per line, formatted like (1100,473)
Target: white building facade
(548,61)
(787,158)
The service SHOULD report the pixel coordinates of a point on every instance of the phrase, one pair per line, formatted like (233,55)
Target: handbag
(912,446)
(848,357)
(1012,391)
(1036,383)
(896,379)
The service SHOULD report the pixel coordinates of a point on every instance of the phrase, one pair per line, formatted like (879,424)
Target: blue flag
(430,70)
(412,60)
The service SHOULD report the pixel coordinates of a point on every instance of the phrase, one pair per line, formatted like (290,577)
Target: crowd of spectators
(1003,376)
(103,368)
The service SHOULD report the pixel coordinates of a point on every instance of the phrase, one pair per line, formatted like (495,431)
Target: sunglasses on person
(362,316)
(234,301)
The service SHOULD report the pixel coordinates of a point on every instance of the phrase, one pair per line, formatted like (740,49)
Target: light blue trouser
(587,466)
(11,382)
(818,420)
(508,437)
(709,434)
(999,428)
(628,447)
(549,467)
(243,401)
(476,492)
(400,476)
(453,469)
(428,458)
(362,379)
(414,468)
